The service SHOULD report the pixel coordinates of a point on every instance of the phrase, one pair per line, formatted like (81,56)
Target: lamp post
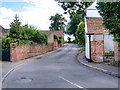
(89,36)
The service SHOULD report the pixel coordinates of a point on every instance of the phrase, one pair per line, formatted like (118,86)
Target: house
(59,33)
(98,41)
(3,31)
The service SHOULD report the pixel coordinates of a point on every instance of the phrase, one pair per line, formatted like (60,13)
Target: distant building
(3,31)
(59,33)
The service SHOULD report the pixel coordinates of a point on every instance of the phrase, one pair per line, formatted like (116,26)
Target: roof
(60,33)
(92,11)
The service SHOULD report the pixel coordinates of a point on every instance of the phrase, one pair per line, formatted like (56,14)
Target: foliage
(75,20)
(110,12)
(23,35)
(15,28)
(39,37)
(57,22)
(75,7)
(56,37)
(59,39)
(80,33)
(69,40)
(75,41)
(82,49)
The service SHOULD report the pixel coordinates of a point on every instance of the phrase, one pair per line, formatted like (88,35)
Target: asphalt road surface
(58,70)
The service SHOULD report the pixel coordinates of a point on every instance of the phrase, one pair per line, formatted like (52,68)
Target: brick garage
(20,52)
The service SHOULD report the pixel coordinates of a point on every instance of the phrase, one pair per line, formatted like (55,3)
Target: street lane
(59,70)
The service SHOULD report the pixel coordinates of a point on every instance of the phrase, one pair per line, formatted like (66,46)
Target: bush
(40,37)
(28,35)
(59,41)
(7,40)
(56,37)
(23,34)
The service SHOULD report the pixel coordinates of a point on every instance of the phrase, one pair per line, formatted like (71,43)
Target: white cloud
(37,14)
(6,16)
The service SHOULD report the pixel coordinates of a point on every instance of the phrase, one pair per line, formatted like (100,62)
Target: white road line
(72,83)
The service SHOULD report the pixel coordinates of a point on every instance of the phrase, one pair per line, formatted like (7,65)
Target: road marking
(72,83)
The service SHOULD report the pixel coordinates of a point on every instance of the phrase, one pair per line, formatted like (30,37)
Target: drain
(24,80)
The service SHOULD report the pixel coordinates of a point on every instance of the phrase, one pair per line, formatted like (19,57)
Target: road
(58,70)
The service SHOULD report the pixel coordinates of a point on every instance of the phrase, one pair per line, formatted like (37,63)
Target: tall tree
(57,22)
(75,20)
(110,12)
(15,28)
(78,6)
(80,33)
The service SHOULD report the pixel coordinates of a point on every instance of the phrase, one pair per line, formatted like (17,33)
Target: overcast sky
(33,12)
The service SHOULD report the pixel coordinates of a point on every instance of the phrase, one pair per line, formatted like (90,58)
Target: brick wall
(94,25)
(116,51)
(55,44)
(97,48)
(25,51)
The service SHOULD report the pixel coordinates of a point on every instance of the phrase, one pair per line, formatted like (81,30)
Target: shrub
(40,37)
(59,41)
(56,37)
(7,40)
(28,35)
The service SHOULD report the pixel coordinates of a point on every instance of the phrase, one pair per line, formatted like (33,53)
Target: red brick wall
(55,44)
(97,48)
(25,51)
(94,25)
(116,51)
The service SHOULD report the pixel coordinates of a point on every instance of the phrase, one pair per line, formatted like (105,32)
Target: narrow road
(58,70)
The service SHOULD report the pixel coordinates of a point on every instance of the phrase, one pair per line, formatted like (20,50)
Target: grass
(82,49)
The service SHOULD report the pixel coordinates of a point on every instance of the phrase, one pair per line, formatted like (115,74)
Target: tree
(77,6)
(23,35)
(69,40)
(57,22)
(80,33)
(75,20)
(110,12)
(15,28)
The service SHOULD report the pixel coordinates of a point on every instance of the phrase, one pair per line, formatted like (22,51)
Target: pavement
(103,67)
